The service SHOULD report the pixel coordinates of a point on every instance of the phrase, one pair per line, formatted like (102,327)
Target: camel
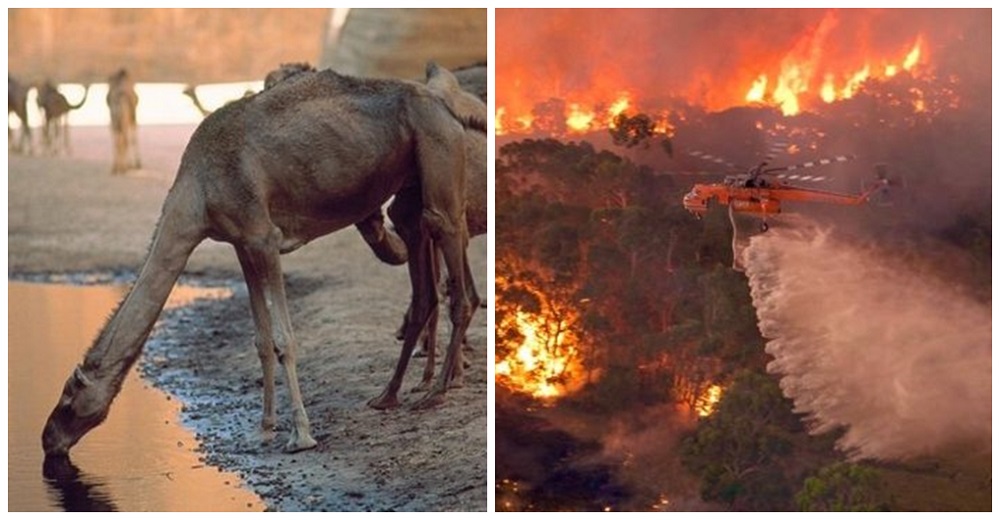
(122,104)
(189,91)
(17,103)
(473,79)
(55,109)
(269,174)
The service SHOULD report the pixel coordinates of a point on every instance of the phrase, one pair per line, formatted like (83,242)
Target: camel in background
(122,103)
(17,104)
(191,92)
(55,111)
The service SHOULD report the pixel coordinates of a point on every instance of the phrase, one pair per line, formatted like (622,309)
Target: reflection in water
(74,490)
(140,459)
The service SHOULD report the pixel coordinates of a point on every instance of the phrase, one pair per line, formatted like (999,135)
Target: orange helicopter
(754,194)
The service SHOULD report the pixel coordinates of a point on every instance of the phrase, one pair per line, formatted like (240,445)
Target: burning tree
(538,339)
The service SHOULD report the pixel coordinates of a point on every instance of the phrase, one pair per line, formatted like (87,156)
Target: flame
(819,56)
(708,400)
(913,57)
(498,126)
(757,90)
(579,119)
(546,361)
(854,83)
(828,92)
(620,105)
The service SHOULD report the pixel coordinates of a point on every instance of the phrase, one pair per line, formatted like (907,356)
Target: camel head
(83,405)
(464,105)
(285,71)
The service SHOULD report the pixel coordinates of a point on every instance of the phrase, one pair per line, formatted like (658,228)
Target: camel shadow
(73,489)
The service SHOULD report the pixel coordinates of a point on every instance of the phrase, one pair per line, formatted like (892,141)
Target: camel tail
(121,341)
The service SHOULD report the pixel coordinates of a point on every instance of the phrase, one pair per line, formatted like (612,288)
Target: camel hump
(465,107)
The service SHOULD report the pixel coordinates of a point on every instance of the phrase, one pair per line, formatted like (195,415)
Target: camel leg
(265,265)
(65,132)
(133,145)
(429,335)
(387,246)
(442,159)
(263,342)
(405,212)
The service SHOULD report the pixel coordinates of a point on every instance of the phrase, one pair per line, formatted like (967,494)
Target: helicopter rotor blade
(788,170)
(775,149)
(715,159)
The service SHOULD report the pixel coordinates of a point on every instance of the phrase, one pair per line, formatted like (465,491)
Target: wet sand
(69,215)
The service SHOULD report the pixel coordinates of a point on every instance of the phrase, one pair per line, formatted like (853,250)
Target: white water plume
(860,340)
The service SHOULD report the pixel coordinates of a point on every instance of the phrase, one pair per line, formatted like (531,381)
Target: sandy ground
(69,215)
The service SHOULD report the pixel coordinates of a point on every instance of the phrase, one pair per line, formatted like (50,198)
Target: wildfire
(799,75)
(815,58)
(543,360)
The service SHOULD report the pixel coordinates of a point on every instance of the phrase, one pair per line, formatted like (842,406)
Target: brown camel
(17,103)
(122,104)
(272,172)
(474,80)
(55,110)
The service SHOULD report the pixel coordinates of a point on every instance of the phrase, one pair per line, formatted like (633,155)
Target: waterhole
(140,459)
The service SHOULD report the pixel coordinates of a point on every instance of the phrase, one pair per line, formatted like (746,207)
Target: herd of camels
(55,108)
(312,153)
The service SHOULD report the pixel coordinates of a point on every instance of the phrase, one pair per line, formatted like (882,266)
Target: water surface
(140,459)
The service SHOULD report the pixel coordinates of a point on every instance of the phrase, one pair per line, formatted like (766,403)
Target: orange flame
(827,60)
(579,119)
(708,401)
(545,362)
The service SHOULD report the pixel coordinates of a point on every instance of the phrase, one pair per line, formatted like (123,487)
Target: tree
(634,131)
(739,450)
(844,487)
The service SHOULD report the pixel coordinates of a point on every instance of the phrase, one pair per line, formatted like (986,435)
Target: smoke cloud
(902,360)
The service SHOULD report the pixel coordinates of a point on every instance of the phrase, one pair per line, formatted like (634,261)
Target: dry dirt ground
(69,215)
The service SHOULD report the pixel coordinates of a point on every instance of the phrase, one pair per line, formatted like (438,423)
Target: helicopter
(761,190)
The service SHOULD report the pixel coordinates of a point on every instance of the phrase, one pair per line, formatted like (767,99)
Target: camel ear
(432,70)
(441,80)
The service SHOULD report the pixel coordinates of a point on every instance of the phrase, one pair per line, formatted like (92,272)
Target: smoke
(902,360)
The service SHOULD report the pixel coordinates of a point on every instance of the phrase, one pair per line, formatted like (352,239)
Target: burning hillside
(572,71)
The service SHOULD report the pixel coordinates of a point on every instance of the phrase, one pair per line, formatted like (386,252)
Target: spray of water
(859,340)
